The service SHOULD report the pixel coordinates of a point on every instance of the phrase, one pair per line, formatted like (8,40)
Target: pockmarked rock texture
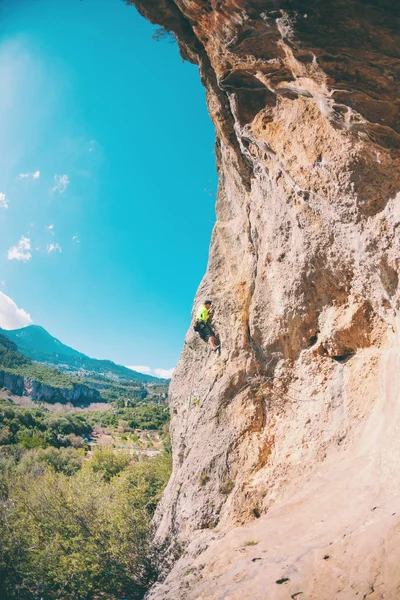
(286,445)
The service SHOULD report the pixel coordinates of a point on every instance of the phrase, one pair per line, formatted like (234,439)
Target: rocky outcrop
(13,383)
(295,424)
(76,394)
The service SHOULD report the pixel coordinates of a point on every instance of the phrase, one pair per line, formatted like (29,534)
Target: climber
(202,326)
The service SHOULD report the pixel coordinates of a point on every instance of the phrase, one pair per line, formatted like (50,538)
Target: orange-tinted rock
(295,426)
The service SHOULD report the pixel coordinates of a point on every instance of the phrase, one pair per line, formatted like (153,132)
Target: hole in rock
(342,358)
(250,102)
(283,580)
(256,513)
(305,58)
(251,94)
(240,79)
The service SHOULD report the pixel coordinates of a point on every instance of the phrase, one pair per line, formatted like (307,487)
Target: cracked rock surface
(290,437)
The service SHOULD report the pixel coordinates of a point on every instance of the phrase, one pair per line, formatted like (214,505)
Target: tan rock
(290,437)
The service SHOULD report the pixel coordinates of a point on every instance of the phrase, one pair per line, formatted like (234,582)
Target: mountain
(20,376)
(39,345)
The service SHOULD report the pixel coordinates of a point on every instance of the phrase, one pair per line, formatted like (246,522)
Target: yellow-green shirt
(202,313)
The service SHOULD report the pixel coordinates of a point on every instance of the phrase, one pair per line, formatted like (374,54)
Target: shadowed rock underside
(289,439)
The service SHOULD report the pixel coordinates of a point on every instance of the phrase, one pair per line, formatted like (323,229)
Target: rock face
(19,385)
(13,383)
(77,394)
(295,425)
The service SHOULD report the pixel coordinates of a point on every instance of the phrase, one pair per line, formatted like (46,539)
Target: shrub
(82,536)
(227,486)
(107,462)
(61,460)
(204,478)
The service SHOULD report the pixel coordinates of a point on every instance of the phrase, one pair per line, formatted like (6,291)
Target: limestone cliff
(295,425)
(20,385)
(12,382)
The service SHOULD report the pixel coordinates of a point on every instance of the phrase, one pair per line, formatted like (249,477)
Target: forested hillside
(36,343)
(20,375)
(15,362)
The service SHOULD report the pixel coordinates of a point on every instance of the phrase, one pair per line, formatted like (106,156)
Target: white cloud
(21,250)
(76,240)
(3,201)
(164,373)
(62,182)
(141,369)
(12,317)
(49,226)
(53,248)
(34,175)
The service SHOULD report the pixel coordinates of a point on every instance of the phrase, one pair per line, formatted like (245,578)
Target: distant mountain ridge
(39,345)
(20,376)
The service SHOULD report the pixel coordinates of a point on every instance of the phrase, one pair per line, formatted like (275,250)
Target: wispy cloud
(53,248)
(141,369)
(34,175)
(61,183)
(3,201)
(76,240)
(12,317)
(21,250)
(162,373)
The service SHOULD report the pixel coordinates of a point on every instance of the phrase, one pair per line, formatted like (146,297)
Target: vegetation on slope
(37,344)
(39,428)
(76,525)
(110,389)
(14,362)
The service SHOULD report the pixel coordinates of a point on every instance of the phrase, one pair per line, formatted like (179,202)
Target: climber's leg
(214,343)
(209,336)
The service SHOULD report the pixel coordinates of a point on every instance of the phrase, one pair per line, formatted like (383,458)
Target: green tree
(107,462)
(75,537)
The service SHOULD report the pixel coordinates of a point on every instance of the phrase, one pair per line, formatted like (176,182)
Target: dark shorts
(204,330)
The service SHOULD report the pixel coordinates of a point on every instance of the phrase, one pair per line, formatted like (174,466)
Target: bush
(61,460)
(73,528)
(37,428)
(106,462)
(75,537)
(34,438)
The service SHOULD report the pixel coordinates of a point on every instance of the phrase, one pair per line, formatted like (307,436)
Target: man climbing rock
(202,325)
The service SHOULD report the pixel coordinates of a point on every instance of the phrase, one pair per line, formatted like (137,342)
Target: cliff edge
(286,445)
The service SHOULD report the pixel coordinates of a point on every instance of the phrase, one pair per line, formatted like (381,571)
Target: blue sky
(107,180)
